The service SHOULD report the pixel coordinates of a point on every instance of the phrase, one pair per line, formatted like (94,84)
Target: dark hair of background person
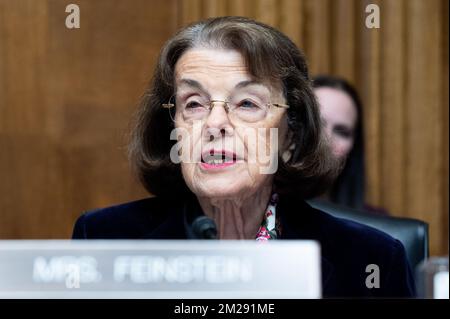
(349,187)
(270,56)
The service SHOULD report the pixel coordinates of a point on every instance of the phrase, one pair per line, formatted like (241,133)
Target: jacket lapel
(299,223)
(172,227)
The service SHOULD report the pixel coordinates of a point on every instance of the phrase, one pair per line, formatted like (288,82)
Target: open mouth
(218,159)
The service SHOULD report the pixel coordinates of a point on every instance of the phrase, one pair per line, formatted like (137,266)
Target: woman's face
(230,150)
(339,115)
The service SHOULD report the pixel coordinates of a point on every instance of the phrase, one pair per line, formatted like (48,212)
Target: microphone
(204,227)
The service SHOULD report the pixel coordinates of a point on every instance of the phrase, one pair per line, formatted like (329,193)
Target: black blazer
(347,247)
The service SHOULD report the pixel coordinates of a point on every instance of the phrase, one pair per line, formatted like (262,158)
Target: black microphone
(204,227)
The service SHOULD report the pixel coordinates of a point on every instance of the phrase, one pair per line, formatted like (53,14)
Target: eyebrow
(195,84)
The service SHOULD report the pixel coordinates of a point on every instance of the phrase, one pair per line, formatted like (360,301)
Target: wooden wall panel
(215,8)
(343,37)
(318,47)
(423,121)
(190,10)
(368,83)
(267,11)
(66,97)
(444,247)
(393,110)
(292,20)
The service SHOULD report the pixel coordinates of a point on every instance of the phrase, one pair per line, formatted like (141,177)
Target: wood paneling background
(66,97)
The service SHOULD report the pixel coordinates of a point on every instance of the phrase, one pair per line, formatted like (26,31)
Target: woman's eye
(345,133)
(247,104)
(193,105)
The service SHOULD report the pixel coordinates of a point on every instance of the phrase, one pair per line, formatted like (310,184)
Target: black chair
(412,233)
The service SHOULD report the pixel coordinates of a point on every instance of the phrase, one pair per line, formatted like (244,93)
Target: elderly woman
(229,129)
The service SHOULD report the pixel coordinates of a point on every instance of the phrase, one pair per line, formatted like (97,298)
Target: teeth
(218,161)
(215,159)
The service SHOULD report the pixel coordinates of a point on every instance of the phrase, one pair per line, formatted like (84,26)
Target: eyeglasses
(244,109)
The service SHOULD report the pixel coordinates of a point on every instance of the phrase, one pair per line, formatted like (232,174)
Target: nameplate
(159,269)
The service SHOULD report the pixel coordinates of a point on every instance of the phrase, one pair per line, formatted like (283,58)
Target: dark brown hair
(269,55)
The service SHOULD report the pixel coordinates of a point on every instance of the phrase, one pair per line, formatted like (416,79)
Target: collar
(270,227)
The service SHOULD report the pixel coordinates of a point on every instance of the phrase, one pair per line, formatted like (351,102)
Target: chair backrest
(412,233)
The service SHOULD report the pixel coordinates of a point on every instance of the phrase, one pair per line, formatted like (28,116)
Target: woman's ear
(287,154)
(288,147)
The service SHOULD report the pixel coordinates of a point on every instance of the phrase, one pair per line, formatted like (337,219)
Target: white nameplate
(440,285)
(159,269)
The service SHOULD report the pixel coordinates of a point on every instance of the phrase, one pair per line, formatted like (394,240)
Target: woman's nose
(218,115)
(217,122)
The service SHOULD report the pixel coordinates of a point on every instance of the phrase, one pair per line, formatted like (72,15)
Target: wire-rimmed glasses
(244,109)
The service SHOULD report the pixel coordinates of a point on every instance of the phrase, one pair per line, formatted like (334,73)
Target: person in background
(342,115)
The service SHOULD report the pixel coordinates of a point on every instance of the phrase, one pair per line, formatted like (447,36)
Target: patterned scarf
(270,227)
